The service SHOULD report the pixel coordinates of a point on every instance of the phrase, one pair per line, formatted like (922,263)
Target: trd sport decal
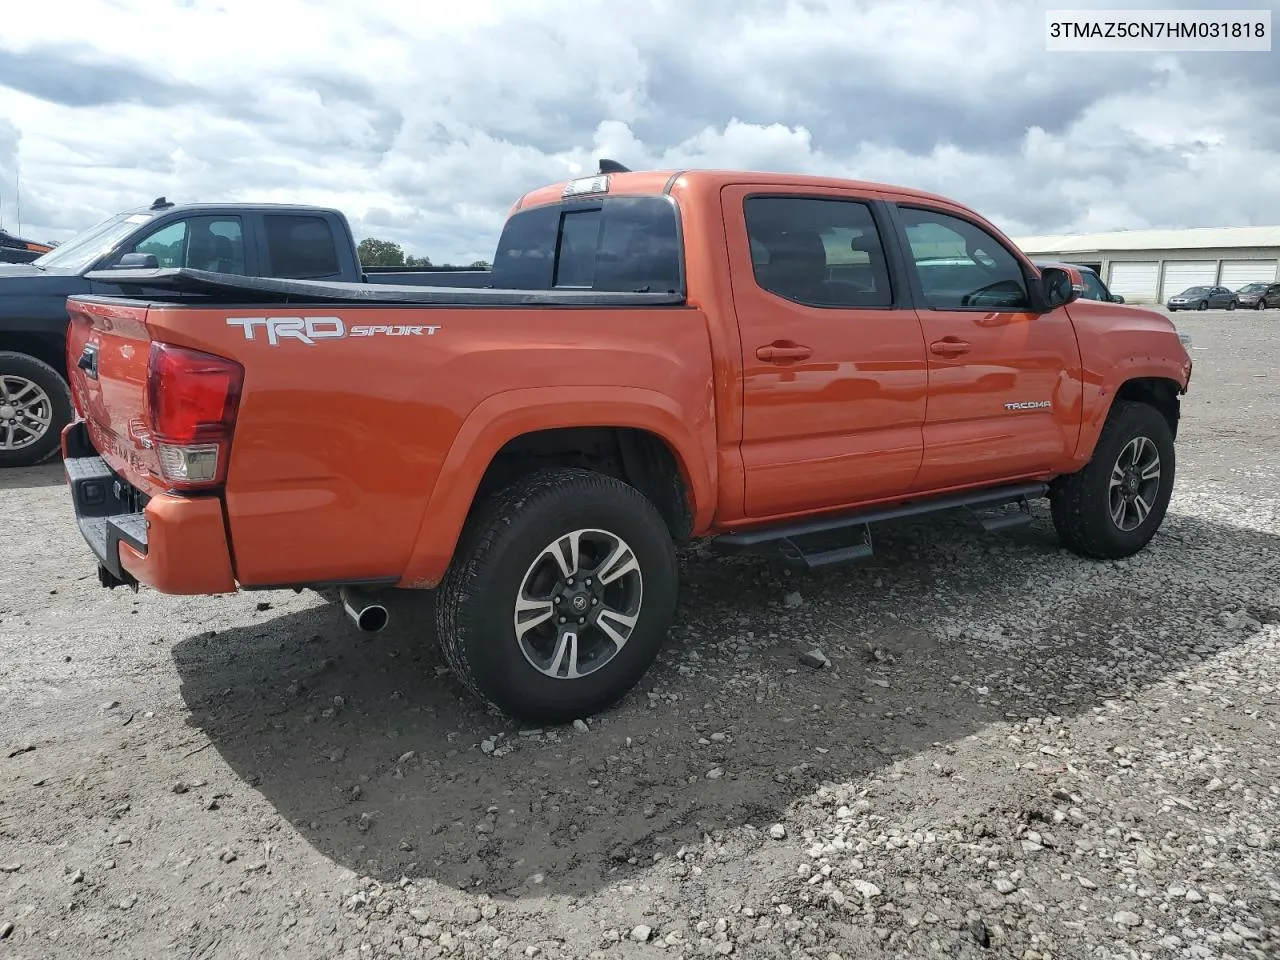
(310,329)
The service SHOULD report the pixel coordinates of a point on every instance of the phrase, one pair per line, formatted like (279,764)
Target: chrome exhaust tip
(364,612)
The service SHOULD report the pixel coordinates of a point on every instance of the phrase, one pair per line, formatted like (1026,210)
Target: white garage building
(1149,266)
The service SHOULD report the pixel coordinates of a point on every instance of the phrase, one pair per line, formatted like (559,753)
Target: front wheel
(1113,507)
(1262,305)
(35,404)
(1203,305)
(559,597)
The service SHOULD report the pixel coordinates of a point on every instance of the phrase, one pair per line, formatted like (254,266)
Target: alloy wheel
(578,604)
(26,412)
(1135,481)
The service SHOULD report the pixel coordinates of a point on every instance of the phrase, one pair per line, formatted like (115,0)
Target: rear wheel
(1262,305)
(1113,507)
(1231,304)
(35,404)
(559,597)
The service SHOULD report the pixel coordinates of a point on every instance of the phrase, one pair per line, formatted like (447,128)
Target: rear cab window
(607,245)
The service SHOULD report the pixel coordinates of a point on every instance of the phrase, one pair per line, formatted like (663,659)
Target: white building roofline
(1195,238)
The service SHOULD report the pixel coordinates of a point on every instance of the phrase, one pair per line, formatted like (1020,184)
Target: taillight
(192,399)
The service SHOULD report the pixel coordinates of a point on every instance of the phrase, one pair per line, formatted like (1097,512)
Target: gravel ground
(1012,752)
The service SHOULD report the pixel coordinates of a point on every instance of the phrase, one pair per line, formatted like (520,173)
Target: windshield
(1252,288)
(1192,291)
(86,247)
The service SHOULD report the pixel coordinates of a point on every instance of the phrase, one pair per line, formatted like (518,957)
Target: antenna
(612,166)
(17,189)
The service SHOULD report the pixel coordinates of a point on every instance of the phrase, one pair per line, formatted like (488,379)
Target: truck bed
(369,411)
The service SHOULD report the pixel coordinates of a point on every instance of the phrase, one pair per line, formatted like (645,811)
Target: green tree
(481,265)
(412,261)
(380,253)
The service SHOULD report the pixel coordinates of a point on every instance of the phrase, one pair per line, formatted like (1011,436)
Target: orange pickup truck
(768,360)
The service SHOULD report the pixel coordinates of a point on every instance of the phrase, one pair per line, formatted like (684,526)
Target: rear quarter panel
(341,445)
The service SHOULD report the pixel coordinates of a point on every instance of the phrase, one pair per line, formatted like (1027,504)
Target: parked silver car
(1202,298)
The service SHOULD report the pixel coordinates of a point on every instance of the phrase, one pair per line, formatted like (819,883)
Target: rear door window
(821,252)
(617,244)
(300,247)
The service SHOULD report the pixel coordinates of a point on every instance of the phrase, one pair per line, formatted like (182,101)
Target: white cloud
(424,122)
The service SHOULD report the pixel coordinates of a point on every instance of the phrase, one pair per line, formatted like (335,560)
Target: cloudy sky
(424,120)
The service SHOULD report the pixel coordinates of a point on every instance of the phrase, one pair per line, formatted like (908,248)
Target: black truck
(20,249)
(250,239)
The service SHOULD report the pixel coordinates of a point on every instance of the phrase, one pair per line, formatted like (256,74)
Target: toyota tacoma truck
(248,239)
(774,362)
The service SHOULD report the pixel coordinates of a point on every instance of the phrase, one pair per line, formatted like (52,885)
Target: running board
(1003,521)
(824,547)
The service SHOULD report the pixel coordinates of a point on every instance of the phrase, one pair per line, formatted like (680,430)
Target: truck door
(833,362)
(1005,384)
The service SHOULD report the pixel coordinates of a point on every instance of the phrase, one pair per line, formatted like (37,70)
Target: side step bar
(824,548)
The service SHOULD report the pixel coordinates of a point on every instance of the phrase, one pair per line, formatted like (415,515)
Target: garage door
(1236,273)
(1180,274)
(1135,280)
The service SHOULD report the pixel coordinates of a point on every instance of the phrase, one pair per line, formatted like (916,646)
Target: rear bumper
(173,544)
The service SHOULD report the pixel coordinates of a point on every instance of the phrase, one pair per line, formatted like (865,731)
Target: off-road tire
(1080,504)
(500,541)
(50,381)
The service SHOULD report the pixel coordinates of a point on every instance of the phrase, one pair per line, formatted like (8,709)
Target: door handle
(949,347)
(780,351)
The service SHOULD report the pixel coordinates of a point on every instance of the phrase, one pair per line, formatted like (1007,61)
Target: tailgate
(108,350)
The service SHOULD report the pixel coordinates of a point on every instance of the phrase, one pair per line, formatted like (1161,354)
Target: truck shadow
(322,721)
(47,474)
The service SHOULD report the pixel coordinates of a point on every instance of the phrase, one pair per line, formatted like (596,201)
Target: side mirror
(1116,298)
(137,261)
(1060,286)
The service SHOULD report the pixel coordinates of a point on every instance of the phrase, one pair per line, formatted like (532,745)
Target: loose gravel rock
(1008,751)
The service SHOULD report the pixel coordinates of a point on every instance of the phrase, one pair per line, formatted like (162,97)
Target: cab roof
(657,182)
(161,206)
